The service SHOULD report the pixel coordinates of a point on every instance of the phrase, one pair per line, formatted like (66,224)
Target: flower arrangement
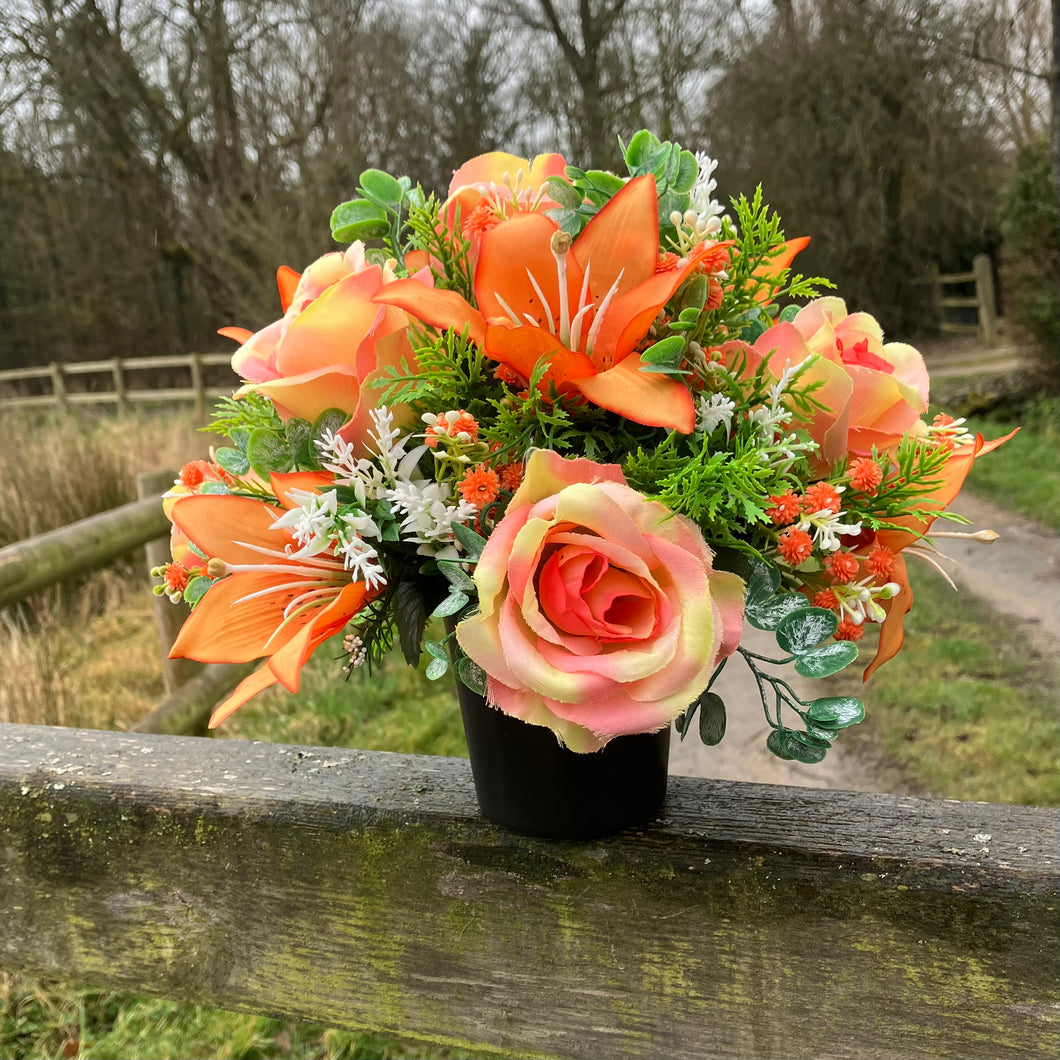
(597,423)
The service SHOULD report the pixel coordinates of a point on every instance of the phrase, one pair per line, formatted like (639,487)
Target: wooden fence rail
(112,387)
(29,566)
(983,301)
(363,890)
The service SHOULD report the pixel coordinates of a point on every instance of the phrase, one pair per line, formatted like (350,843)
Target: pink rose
(874,393)
(600,612)
(331,343)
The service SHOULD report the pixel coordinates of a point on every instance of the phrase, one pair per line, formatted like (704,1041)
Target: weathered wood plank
(363,890)
(27,566)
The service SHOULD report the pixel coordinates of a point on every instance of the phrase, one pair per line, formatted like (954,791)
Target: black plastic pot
(527,782)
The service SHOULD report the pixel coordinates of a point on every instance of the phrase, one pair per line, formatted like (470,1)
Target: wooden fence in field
(363,890)
(27,567)
(954,291)
(108,382)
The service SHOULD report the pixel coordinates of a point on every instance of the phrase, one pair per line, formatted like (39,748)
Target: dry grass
(55,470)
(84,655)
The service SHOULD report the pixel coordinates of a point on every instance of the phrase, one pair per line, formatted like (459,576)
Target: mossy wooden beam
(27,566)
(363,890)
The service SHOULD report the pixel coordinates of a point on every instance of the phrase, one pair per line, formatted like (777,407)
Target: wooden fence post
(984,293)
(119,386)
(195,361)
(169,617)
(58,386)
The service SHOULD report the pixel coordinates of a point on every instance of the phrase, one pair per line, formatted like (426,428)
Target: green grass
(1024,474)
(395,708)
(967,709)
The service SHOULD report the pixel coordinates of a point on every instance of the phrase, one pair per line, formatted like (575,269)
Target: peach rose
(600,612)
(331,343)
(874,393)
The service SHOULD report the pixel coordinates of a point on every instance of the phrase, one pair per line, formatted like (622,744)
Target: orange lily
(583,308)
(269,601)
(915,527)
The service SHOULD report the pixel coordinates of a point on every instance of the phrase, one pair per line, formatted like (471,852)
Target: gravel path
(1018,576)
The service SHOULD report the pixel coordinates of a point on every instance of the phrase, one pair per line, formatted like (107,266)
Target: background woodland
(159,158)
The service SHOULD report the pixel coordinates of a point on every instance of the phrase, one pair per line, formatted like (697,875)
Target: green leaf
(456,575)
(358,219)
(666,351)
(196,588)
(300,442)
(472,543)
(836,712)
(608,183)
(267,451)
(819,733)
(788,314)
(381,188)
(437,667)
(454,602)
(329,420)
(436,649)
(711,718)
(804,629)
(641,147)
(563,193)
(687,172)
(762,583)
(827,660)
(471,674)
(771,612)
(683,720)
(234,461)
(410,616)
(778,746)
(569,221)
(803,748)
(797,746)
(214,487)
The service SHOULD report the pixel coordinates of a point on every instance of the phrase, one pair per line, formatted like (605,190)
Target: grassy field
(963,712)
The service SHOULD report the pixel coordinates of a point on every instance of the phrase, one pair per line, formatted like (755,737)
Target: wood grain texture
(363,890)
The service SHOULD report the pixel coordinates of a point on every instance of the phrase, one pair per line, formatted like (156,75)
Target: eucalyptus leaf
(802,630)
(711,718)
(436,649)
(836,712)
(637,152)
(329,420)
(769,613)
(601,180)
(358,219)
(826,660)
(267,452)
(456,575)
(687,172)
(437,667)
(471,674)
(472,542)
(454,602)
(802,747)
(666,351)
(762,584)
(234,461)
(196,588)
(563,193)
(777,745)
(381,188)
(215,487)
